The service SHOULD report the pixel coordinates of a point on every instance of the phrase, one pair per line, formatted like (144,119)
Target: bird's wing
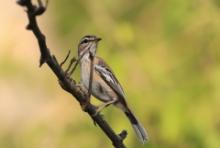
(107,74)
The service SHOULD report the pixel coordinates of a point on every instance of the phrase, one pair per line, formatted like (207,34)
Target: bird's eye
(85,41)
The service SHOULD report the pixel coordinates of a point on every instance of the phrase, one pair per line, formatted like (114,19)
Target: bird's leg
(103,105)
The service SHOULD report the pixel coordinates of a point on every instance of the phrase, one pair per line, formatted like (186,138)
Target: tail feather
(138,128)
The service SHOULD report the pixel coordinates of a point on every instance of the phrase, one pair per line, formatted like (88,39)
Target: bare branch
(66,82)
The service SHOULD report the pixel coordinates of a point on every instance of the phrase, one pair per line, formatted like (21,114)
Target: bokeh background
(165,53)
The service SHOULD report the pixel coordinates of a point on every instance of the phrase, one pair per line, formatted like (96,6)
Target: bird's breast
(85,72)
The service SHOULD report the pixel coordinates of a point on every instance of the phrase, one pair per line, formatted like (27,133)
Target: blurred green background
(165,53)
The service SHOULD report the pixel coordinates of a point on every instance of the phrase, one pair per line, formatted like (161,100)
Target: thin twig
(70,65)
(74,67)
(64,61)
(77,62)
(32,12)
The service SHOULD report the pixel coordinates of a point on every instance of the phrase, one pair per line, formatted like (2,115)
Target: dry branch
(67,83)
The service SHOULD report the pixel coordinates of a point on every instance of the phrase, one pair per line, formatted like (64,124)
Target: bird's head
(88,44)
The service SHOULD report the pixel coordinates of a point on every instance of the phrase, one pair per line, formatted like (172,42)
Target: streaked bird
(105,85)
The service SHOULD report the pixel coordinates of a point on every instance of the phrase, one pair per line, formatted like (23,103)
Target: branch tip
(28,27)
(42,61)
(41,8)
(123,134)
(21,2)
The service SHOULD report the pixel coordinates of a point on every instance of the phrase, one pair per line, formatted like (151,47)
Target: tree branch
(67,83)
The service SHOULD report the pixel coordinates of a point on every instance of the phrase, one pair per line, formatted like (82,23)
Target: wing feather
(107,74)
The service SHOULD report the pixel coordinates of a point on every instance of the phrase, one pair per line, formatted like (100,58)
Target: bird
(105,86)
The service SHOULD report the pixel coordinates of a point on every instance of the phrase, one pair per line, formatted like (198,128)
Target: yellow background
(165,54)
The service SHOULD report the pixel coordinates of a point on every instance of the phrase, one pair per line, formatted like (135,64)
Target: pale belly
(85,70)
(100,89)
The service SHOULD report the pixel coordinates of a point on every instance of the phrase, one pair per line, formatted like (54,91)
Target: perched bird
(105,85)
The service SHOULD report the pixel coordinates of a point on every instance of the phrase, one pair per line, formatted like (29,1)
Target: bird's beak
(98,39)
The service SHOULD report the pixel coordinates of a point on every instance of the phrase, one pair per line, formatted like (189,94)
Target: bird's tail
(138,128)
